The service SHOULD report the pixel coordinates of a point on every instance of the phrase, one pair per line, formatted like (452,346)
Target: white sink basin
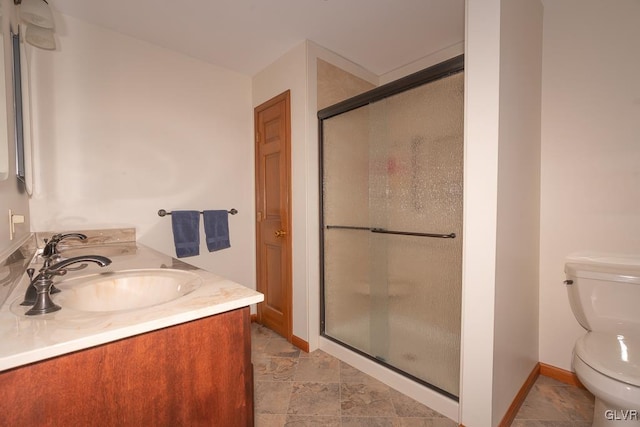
(125,290)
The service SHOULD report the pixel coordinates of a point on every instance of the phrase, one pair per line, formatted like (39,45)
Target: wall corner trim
(560,374)
(300,343)
(543,369)
(511,413)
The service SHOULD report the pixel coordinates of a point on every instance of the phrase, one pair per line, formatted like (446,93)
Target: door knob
(280,233)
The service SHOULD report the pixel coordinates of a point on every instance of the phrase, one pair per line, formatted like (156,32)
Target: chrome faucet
(38,291)
(50,251)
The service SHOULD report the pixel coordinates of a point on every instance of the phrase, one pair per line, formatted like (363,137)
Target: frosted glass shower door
(392,231)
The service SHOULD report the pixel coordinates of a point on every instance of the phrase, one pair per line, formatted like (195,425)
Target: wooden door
(273,210)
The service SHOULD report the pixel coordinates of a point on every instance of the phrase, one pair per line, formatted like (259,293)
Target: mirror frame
(17,107)
(5,106)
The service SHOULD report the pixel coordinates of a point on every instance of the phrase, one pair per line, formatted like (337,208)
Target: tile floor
(296,389)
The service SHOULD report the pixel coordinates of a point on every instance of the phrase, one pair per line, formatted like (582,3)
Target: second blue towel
(216,229)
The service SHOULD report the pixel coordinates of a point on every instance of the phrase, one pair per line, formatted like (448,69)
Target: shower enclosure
(391,224)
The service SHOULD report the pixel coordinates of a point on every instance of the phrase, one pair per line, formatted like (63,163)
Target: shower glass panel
(392,228)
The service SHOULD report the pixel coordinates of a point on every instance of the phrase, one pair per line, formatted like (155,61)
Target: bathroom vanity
(185,361)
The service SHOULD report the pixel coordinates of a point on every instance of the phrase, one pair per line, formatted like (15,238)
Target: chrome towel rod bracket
(162,212)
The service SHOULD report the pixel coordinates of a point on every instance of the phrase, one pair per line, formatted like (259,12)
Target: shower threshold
(436,399)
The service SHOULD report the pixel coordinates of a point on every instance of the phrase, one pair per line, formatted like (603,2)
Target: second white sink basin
(125,290)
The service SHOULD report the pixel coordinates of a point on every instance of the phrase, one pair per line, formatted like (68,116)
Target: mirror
(4,136)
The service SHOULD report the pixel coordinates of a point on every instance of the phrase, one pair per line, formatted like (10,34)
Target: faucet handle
(61,272)
(48,273)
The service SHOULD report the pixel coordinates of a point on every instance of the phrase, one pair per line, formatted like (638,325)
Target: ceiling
(247,35)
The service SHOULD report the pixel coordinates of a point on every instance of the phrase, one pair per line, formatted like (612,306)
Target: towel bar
(162,212)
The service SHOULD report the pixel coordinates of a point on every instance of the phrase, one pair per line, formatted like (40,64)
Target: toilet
(604,294)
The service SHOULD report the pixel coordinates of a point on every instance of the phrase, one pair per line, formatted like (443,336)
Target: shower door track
(401,233)
(381,361)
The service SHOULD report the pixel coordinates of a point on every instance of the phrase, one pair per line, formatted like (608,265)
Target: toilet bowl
(599,364)
(605,299)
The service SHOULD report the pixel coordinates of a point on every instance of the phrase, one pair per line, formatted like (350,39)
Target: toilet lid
(616,356)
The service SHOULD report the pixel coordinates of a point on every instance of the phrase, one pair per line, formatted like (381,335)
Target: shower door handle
(410,233)
(280,233)
(401,233)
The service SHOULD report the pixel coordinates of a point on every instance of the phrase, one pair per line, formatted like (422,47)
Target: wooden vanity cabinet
(193,374)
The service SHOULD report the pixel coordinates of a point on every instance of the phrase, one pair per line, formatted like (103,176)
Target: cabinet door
(197,373)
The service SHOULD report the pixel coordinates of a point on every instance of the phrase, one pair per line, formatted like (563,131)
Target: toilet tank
(605,296)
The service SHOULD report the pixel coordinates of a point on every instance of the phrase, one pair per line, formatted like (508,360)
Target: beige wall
(422,63)
(289,73)
(125,128)
(502,119)
(109,156)
(482,111)
(590,183)
(12,192)
(335,84)
(515,344)
(296,71)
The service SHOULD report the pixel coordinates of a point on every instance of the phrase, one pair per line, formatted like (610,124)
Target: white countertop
(27,339)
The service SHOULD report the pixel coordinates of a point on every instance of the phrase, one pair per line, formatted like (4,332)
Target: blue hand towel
(216,228)
(186,232)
